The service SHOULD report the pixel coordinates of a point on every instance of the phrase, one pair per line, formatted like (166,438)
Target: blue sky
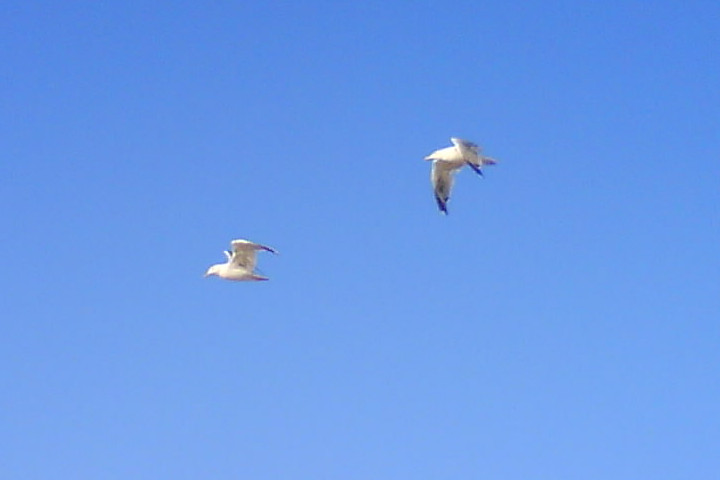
(561,322)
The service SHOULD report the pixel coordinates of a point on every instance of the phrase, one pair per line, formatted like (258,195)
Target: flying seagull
(241,261)
(447,161)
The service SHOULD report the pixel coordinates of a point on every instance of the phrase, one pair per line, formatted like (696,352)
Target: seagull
(241,261)
(447,161)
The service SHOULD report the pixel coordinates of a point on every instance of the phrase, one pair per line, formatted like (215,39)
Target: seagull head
(214,270)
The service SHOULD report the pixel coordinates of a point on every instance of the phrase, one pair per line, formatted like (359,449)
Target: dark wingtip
(477,170)
(442,205)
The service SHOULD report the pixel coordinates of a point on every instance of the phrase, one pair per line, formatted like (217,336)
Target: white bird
(241,261)
(447,161)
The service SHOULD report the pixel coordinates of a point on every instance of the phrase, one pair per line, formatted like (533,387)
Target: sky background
(562,322)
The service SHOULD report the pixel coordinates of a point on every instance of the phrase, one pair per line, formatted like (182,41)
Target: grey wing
(470,154)
(460,143)
(245,253)
(245,259)
(442,181)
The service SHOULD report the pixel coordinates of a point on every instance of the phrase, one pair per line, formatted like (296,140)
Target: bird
(240,265)
(447,161)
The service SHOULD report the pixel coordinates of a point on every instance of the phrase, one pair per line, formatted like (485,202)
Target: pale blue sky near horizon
(562,322)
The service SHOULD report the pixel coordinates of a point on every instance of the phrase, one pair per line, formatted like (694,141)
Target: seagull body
(447,161)
(241,261)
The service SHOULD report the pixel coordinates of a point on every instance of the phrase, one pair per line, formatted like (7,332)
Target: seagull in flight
(447,161)
(241,261)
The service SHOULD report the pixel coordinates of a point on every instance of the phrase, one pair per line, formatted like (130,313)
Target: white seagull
(241,261)
(447,161)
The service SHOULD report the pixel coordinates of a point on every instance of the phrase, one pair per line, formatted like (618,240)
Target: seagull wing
(471,154)
(442,181)
(244,253)
(468,150)
(460,143)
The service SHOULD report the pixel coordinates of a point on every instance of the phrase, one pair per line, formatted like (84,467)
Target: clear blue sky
(563,322)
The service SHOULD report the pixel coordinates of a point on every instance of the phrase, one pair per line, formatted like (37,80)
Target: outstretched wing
(442,182)
(464,144)
(244,253)
(472,155)
(468,150)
